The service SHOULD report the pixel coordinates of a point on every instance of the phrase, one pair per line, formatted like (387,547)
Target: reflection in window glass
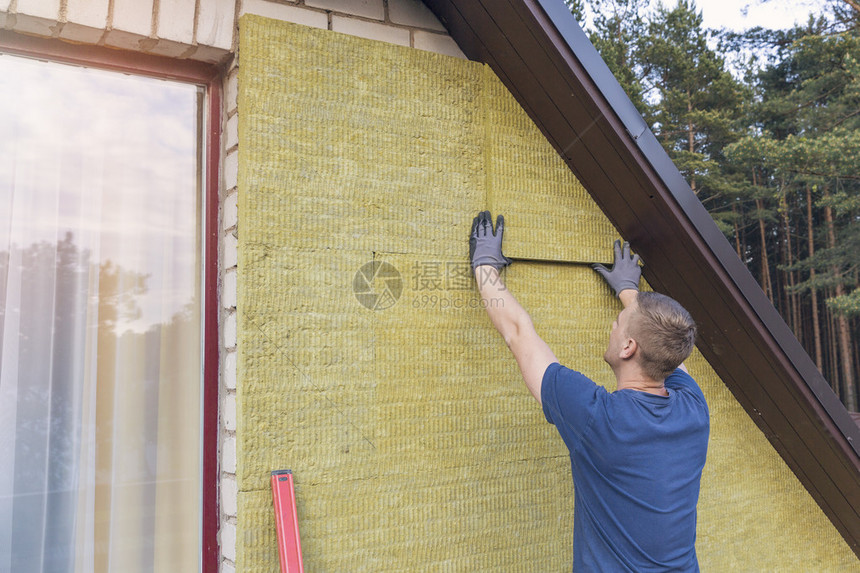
(100,320)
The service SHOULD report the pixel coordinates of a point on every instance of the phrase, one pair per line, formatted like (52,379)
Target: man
(637,453)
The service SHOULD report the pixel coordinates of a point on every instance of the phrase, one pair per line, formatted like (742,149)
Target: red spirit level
(287,521)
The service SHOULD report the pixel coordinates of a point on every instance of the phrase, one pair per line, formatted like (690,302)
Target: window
(102,306)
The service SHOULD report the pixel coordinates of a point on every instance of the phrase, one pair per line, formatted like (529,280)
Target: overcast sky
(744,14)
(741,15)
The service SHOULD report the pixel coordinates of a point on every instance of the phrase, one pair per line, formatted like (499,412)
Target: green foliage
(847,304)
(577,8)
(618,28)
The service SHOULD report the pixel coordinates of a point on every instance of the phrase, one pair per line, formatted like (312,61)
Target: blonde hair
(664,332)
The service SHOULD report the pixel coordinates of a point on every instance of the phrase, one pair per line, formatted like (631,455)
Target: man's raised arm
(512,321)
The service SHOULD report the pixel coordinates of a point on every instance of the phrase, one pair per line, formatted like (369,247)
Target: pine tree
(697,102)
(696,109)
(806,142)
(618,26)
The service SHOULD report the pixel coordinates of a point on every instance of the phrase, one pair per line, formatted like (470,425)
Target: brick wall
(205,30)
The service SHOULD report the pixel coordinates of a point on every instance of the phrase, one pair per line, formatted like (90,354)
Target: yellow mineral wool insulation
(414,443)
(526,180)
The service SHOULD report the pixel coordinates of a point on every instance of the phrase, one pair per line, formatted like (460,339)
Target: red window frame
(210,76)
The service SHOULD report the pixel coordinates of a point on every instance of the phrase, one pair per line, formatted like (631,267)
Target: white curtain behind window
(100,361)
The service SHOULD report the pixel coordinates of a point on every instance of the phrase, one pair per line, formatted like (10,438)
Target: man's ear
(628,349)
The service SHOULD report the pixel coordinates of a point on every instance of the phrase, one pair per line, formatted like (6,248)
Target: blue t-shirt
(637,461)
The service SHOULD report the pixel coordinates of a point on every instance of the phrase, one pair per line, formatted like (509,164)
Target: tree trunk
(816,327)
(832,370)
(847,360)
(765,266)
(791,296)
(737,233)
(853,323)
(800,307)
(843,330)
(691,139)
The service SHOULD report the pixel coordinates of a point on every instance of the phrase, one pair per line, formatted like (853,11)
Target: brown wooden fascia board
(633,181)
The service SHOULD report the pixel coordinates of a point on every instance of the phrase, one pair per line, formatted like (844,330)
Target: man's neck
(641,383)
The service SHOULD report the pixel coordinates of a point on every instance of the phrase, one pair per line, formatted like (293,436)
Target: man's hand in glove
(485,246)
(625,271)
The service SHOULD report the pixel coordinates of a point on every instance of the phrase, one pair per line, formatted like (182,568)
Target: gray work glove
(485,246)
(625,271)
